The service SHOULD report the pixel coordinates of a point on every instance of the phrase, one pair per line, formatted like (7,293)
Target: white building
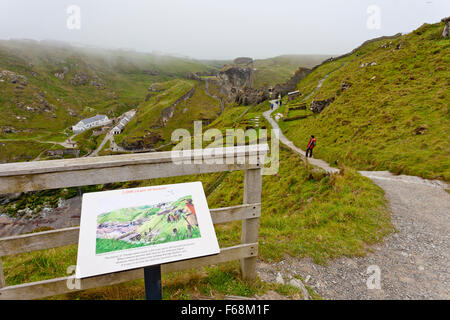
(123,122)
(85,124)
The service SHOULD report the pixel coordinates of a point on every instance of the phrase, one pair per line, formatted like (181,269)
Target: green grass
(17,151)
(125,76)
(148,121)
(279,69)
(108,245)
(397,121)
(321,216)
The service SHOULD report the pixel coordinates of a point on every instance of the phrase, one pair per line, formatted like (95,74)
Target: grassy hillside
(394,115)
(48,87)
(166,111)
(279,69)
(321,216)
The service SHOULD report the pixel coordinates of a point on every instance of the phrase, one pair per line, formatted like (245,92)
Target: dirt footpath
(414,262)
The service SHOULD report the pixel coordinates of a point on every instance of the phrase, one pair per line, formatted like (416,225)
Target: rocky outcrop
(291,84)
(249,96)
(62,73)
(344,86)
(82,79)
(39,104)
(8,129)
(319,105)
(237,77)
(146,142)
(13,78)
(446,31)
(63,152)
(236,81)
(79,79)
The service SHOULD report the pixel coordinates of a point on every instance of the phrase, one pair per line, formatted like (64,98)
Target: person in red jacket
(311,144)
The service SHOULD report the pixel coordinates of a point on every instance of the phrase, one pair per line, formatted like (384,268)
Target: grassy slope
(321,216)
(279,69)
(125,75)
(147,121)
(372,125)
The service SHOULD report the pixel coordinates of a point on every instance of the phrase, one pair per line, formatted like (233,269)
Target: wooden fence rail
(33,176)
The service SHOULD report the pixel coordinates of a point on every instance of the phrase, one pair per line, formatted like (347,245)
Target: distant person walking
(311,144)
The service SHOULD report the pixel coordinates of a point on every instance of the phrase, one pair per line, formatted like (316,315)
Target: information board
(133,228)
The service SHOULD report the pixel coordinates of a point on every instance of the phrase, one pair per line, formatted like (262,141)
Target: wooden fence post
(250,227)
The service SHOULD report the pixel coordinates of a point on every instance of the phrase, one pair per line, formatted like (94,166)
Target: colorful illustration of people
(191,217)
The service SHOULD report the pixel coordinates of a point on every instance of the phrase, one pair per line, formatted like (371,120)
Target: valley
(375,193)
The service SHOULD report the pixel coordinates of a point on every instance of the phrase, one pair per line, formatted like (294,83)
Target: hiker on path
(311,144)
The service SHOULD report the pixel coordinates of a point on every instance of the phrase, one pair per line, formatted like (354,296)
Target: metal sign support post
(152,279)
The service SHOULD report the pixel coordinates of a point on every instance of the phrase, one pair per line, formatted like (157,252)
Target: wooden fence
(42,175)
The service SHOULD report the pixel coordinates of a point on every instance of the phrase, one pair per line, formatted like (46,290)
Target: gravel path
(412,263)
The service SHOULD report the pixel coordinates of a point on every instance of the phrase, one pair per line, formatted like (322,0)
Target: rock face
(446,31)
(63,152)
(291,84)
(318,106)
(236,77)
(82,79)
(14,78)
(236,81)
(142,143)
(61,74)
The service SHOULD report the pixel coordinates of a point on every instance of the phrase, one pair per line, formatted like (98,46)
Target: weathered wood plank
(42,175)
(68,236)
(250,227)
(137,172)
(246,211)
(211,156)
(59,286)
(38,241)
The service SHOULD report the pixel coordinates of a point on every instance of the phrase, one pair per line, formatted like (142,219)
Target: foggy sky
(211,29)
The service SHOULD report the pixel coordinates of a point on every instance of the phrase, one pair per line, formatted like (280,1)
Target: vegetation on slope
(166,111)
(279,69)
(49,87)
(395,114)
(322,216)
